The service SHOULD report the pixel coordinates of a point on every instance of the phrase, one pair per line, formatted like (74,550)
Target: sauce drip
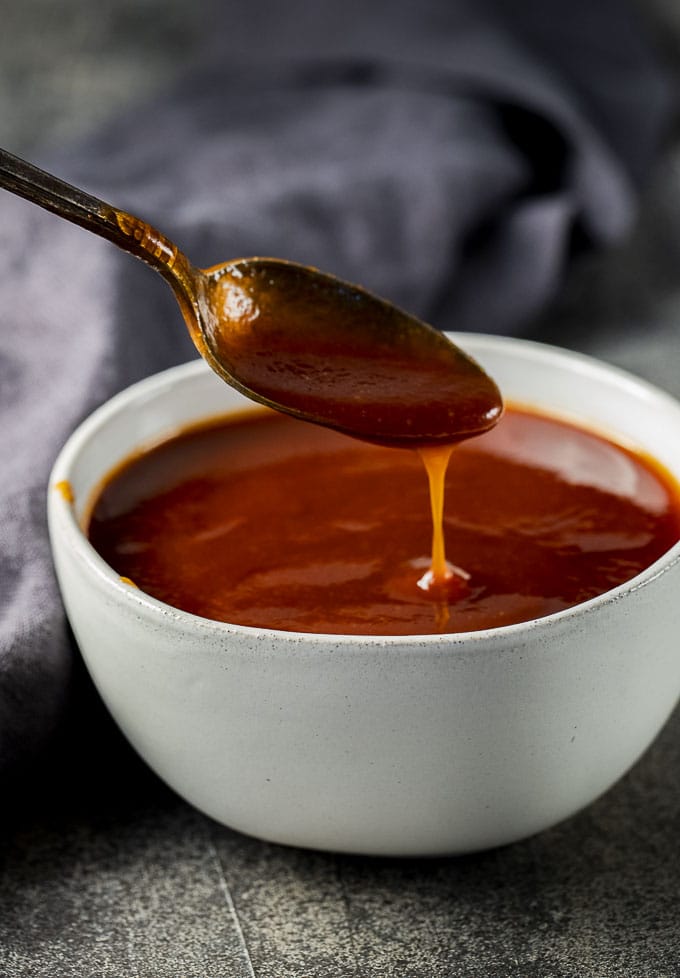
(355,364)
(266,521)
(436,461)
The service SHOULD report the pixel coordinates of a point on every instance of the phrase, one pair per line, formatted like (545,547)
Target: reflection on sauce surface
(268,521)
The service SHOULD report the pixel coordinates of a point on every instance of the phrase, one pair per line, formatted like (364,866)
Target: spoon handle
(125,230)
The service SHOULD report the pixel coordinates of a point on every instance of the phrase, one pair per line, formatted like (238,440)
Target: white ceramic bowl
(401,746)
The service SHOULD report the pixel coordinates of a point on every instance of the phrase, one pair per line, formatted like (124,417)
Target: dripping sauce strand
(442,581)
(436,461)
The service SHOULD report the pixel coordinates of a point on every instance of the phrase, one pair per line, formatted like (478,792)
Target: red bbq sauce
(263,520)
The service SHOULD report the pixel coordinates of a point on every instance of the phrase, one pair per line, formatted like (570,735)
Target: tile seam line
(231,907)
(344,896)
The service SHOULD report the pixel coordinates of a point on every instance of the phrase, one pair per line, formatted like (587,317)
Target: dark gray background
(105,872)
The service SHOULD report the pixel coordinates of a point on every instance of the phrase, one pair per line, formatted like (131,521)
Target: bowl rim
(147,389)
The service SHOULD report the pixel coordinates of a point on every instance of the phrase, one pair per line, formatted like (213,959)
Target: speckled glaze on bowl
(396,746)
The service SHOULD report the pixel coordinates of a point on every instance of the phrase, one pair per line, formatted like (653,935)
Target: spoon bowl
(333,353)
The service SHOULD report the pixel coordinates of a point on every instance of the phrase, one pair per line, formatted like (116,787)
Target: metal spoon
(295,338)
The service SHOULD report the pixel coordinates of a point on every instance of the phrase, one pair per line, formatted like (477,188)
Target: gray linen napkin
(453,157)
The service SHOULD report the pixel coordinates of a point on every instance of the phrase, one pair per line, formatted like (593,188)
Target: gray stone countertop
(105,872)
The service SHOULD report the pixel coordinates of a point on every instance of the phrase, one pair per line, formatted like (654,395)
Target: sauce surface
(264,520)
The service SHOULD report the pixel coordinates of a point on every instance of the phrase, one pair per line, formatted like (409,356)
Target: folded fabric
(451,156)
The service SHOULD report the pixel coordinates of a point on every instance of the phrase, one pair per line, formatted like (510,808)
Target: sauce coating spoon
(294,338)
